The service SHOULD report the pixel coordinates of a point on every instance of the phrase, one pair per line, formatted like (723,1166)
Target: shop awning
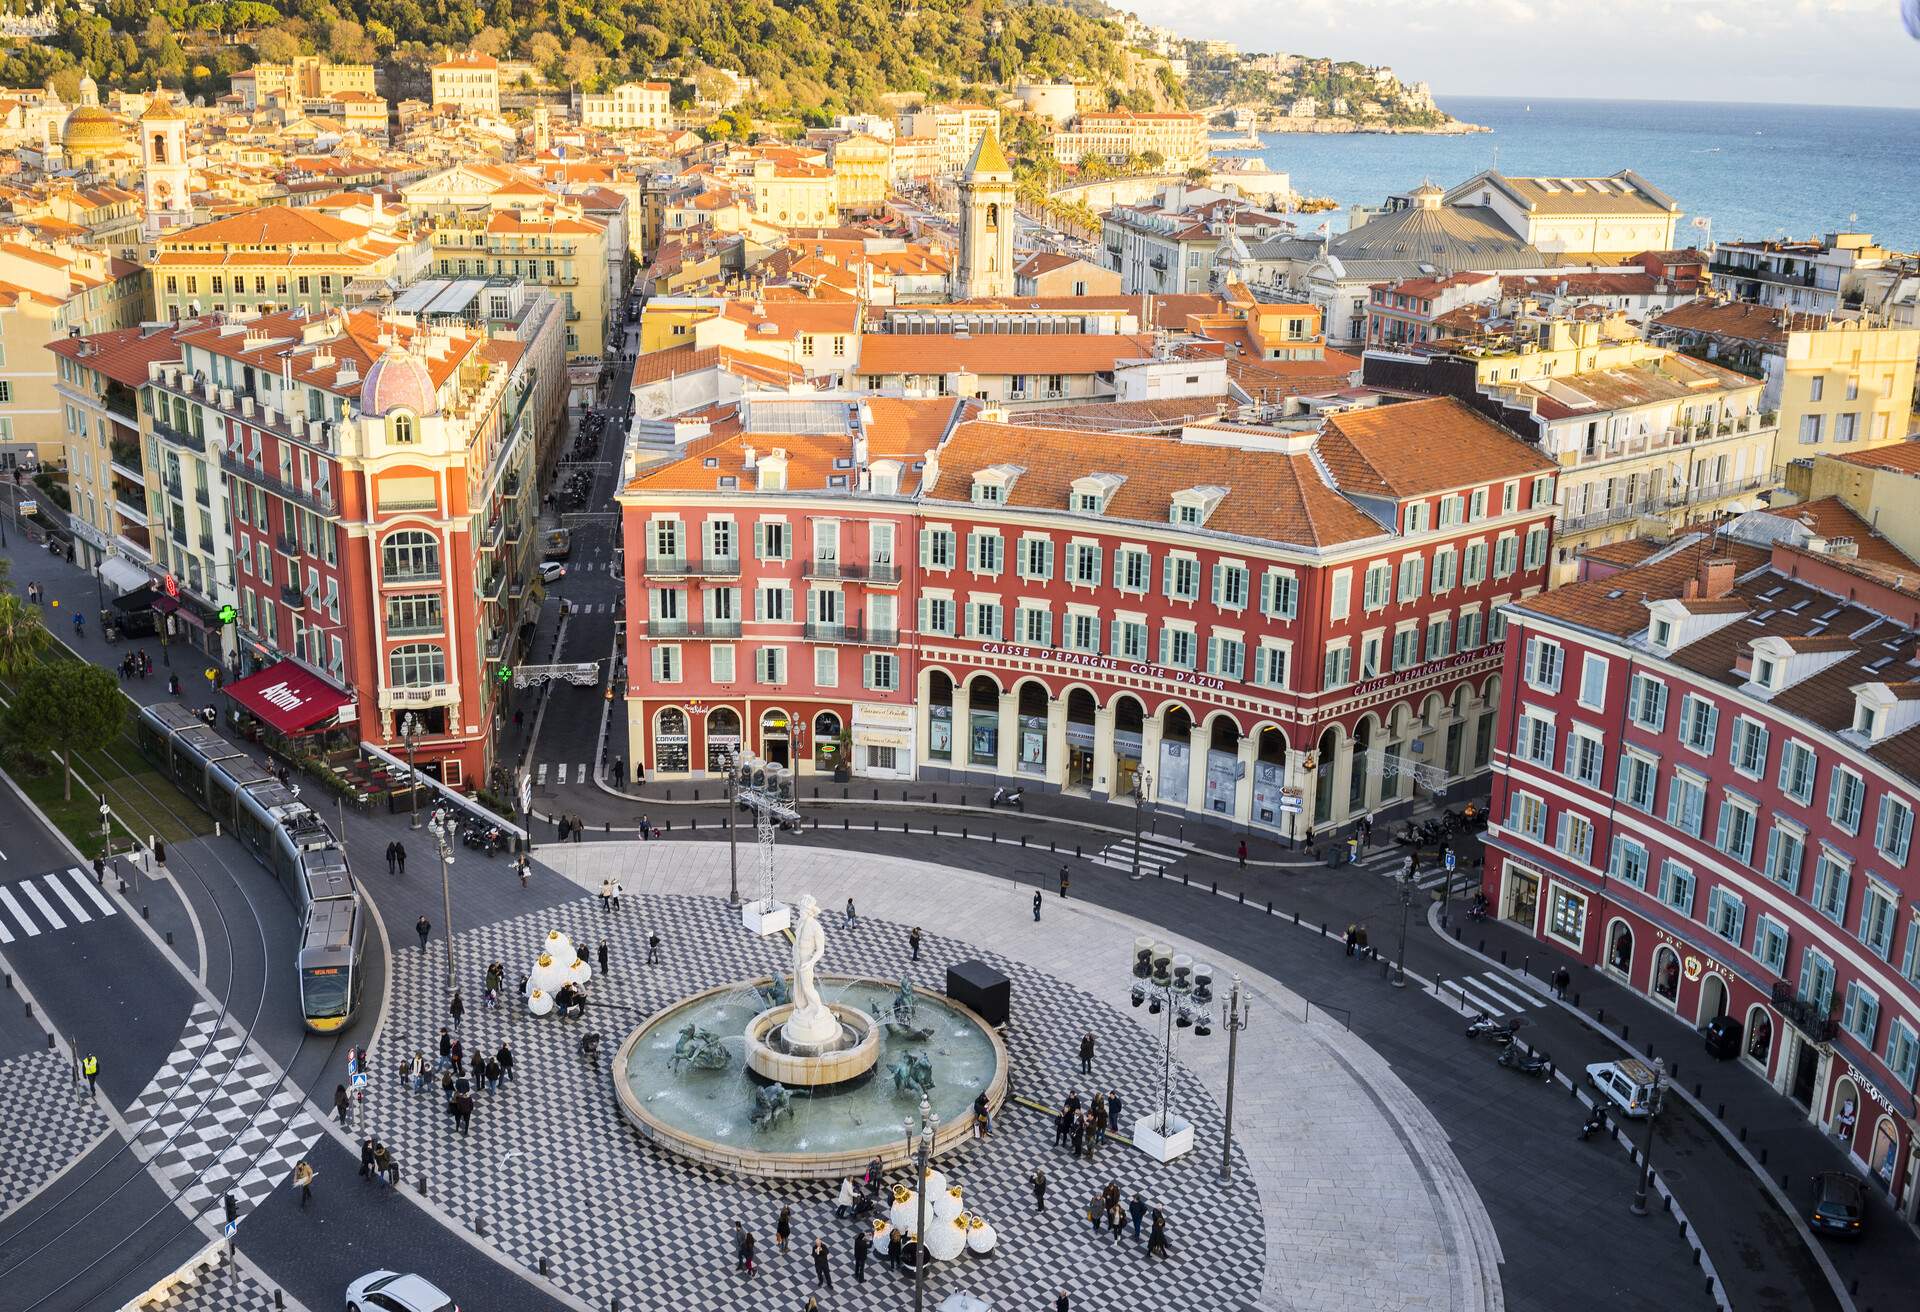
(138,599)
(288,697)
(123,574)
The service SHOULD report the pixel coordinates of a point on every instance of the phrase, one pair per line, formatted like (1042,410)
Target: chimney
(1716,577)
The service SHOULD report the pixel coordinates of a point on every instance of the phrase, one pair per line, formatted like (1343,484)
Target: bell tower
(165,178)
(985,267)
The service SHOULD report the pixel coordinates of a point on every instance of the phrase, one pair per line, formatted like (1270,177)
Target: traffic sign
(1451,859)
(1291,805)
(230,1227)
(359,1080)
(29,506)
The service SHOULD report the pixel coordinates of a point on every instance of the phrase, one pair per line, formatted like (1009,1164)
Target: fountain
(821,1085)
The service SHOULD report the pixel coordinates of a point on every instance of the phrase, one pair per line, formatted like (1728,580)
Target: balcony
(320,500)
(1759,273)
(852,635)
(286,546)
(206,544)
(424,694)
(293,599)
(398,578)
(1814,1021)
(178,437)
(416,628)
(693,628)
(860,571)
(676,567)
(130,501)
(494,586)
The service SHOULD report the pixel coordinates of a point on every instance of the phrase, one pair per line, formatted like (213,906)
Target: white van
(1629,1084)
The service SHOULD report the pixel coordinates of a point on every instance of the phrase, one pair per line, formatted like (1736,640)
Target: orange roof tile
(999,353)
(1419,447)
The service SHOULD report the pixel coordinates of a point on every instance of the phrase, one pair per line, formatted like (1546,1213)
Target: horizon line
(1673,100)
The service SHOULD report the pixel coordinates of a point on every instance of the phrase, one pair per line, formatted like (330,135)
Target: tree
(66,707)
(275,46)
(22,636)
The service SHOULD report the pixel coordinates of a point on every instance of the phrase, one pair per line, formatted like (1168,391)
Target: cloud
(1708,21)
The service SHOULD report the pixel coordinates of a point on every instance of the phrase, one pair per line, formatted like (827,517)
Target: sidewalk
(1769,1131)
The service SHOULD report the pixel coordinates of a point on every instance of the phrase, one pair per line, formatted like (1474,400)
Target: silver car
(389,1291)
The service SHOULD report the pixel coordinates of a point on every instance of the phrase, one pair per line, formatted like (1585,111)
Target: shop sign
(881,713)
(1091,661)
(1420,671)
(1868,1087)
(1692,964)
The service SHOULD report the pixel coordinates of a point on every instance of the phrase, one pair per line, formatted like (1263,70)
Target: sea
(1752,171)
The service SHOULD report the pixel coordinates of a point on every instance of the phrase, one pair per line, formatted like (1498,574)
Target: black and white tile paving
(210,1286)
(48,1120)
(550,1170)
(216,1119)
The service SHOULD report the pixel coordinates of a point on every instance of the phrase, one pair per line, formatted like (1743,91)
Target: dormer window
(987,492)
(883,477)
(400,428)
(1765,671)
(1661,634)
(1191,506)
(1866,720)
(1089,495)
(993,485)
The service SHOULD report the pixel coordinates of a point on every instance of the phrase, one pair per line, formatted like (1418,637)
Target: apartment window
(1575,837)
(1036,558)
(1406,647)
(1699,722)
(1877,905)
(1533,739)
(1439,636)
(936,548)
(1749,755)
(1543,664)
(773,603)
(1178,648)
(1130,640)
(1845,793)
(770,664)
(1593,681)
(936,615)
(1339,597)
(1370,656)
(1446,569)
(666,663)
(1469,629)
(826,667)
(1903,1051)
(1797,768)
(1726,914)
(1230,586)
(1536,546)
(1270,667)
(882,671)
(1638,778)
(666,539)
(1413,577)
(1647,702)
(1337,669)
(1478,511)
(983,620)
(1770,939)
(1738,824)
(1816,389)
(1686,802)
(985,551)
(1182,578)
(1628,863)
(1893,830)
(1227,657)
(1831,875)
(1860,1016)
(720,663)
(1816,979)
(1134,569)
(1586,756)
(1676,886)
(1280,594)
(1084,562)
(1786,852)
(1506,555)
(1374,586)
(1475,571)
(1527,815)
(772,540)
(1810,429)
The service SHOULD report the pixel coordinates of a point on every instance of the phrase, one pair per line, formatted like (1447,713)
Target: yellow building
(669,320)
(274,257)
(308,77)
(629,105)
(862,169)
(792,195)
(469,82)
(1881,486)
(1847,385)
(49,291)
(1179,140)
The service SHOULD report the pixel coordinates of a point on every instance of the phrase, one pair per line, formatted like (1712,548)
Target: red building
(1228,615)
(1705,786)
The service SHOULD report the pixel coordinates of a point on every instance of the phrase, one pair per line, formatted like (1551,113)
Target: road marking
(579,773)
(1493,993)
(46,907)
(59,886)
(19,913)
(540,774)
(80,878)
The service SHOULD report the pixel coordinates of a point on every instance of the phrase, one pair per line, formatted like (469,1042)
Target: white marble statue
(811,1021)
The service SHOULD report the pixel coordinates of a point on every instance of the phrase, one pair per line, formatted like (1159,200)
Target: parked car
(1628,1084)
(1722,1035)
(389,1291)
(1839,1205)
(552,571)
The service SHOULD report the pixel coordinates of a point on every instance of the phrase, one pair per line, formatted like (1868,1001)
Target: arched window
(415,665)
(993,218)
(159,148)
(410,555)
(400,428)
(673,721)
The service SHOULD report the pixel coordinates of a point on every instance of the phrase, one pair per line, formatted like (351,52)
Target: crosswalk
(1388,860)
(1491,992)
(544,771)
(590,608)
(1155,855)
(57,900)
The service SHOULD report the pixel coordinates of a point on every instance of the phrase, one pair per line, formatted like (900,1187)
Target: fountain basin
(772,1056)
(834,1130)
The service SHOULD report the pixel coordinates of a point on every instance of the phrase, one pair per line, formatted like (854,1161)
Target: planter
(1163,1147)
(764,918)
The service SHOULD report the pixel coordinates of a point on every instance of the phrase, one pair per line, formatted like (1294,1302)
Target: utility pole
(1234,1017)
(409,731)
(929,1126)
(1644,1177)
(733,831)
(441,831)
(1399,977)
(1142,782)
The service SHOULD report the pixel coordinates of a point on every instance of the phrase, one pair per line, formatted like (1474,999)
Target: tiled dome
(398,381)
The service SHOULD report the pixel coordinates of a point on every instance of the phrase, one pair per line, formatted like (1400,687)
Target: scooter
(1012,797)
(1527,1063)
(1596,1121)
(1493,1027)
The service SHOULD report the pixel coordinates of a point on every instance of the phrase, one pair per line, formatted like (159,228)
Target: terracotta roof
(1900,457)
(676,361)
(123,354)
(777,320)
(999,353)
(1617,604)
(1831,518)
(1741,320)
(269,225)
(904,429)
(1421,447)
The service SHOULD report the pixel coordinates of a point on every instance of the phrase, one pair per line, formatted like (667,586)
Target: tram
(287,837)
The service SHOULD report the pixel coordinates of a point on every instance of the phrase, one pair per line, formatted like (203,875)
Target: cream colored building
(955,128)
(275,257)
(1607,218)
(1180,140)
(308,77)
(862,173)
(48,292)
(629,105)
(792,195)
(469,82)
(1846,386)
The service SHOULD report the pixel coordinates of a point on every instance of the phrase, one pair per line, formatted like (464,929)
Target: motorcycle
(1478,911)
(487,839)
(1596,1121)
(1013,797)
(1500,1029)
(1527,1063)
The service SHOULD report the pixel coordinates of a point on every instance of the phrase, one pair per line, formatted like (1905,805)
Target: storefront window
(1567,916)
(940,733)
(670,751)
(826,740)
(1033,744)
(1666,974)
(983,738)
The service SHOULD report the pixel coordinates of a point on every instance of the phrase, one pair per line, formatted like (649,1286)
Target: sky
(1822,52)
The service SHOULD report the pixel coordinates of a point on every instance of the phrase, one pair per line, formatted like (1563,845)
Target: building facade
(629,105)
(1719,814)
(470,83)
(908,591)
(276,257)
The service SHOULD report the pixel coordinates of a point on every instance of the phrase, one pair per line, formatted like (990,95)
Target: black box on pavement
(980,986)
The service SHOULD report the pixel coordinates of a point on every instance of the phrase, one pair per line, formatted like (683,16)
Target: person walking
(1157,1237)
(90,1067)
(1137,1210)
(340,1105)
(390,863)
(783,1228)
(1037,900)
(384,1168)
(822,1270)
(1242,853)
(505,1058)
(1113,1111)
(606,897)
(1062,1127)
(1086,1054)
(862,1241)
(653,948)
(851,916)
(456,1008)
(618,889)
(739,1247)
(303,1181)
(1062,1304)
(446,1050)
(1038,1183)
(423,927)
(1063,881)
(1097,1211)
(524,867)
(366,1157)
(1077,1129)
(602,955)
(913,942)
(746,1252)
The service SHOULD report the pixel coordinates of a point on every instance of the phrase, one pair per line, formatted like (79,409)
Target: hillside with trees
(826,56)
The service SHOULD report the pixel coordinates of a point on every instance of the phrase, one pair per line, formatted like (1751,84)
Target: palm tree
(22,636)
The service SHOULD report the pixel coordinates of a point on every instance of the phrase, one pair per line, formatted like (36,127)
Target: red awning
(288,697)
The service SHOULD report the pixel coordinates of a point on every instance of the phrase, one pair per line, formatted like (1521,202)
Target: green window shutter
(759,541)
(1046,559)
(1098,558)
(926,547)
(1219,583)
(1167,576)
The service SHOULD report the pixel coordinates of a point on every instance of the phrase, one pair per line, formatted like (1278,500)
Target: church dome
(90,130)
(399,380)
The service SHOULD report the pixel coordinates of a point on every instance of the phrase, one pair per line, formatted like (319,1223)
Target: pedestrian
(366,1158)
(746,1252)
(505,1058)
(1157,1237)
(579,827)
(456,1008)
(619,770)
(1063,881)
(525,867)
(1353,938)
(1113,1111)
(1096,1211)
(603,956)
(783,1228)
(606,897)
(1062,1126)
(653,948)
(1116,1221)
(400,857)
(1353,848)
(1561,979)
(822,1271)
(862,1241)
(1242,853)
(340,1109)
(493,1074)
(618,889)
(303,1180)
(851,916)
(1077,1128)
(646,830)
(913,942)
(560,827)
(423,927)
(446,1050)
(1060,1304)
(982,1116)
(384,1167)
(390,848)
(1137,1209)
(1038,1182)
(1037,900)
(1086,1054)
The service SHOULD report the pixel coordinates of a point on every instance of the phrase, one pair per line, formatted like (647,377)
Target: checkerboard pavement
(48,1122)
(552,1170)
(204,1286)
(216,1119)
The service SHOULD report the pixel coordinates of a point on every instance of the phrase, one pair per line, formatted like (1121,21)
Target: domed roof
(90,130)
(399,380)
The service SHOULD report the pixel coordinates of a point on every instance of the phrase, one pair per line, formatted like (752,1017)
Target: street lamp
(922,1156)
(441,828)
(1645,1175)
(1168,982)
(733,830)
(106,831)
(409,732)
(1235,1016)
(1399,976)
(1142,785)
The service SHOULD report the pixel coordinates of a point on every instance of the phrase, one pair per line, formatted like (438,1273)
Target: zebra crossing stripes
(1388,862)
(1491,992)
(26,909)
(1155,856)
(560,769)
